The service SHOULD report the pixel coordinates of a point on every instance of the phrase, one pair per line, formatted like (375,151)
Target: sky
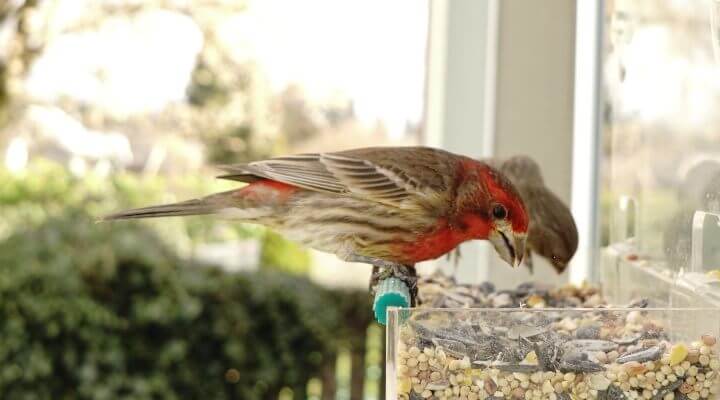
(370,51)
(126,66)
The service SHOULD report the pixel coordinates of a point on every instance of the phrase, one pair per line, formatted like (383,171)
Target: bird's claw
(386,269)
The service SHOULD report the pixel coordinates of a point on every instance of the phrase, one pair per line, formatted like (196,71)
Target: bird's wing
(397,176)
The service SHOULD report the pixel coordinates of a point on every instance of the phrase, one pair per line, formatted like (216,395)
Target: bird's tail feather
(189,207)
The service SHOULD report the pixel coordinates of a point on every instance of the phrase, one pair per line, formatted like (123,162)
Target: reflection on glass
(661,128)
(715,28)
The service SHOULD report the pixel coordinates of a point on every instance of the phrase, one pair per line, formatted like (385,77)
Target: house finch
(384,206)
(552,232)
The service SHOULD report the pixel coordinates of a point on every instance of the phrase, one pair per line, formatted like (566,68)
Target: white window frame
(586,137)
(460,93)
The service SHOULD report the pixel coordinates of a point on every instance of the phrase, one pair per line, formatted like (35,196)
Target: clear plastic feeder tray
(602,353)
(643,279)
(625,275)
(699,286)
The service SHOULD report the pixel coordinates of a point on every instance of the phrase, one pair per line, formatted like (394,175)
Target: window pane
(661,142)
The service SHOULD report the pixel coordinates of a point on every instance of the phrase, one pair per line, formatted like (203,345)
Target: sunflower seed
(651,354)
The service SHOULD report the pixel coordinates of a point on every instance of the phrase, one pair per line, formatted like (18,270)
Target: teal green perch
(390,292)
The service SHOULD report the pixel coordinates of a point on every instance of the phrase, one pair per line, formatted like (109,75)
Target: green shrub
(107,311)
(280,254)
(46,190)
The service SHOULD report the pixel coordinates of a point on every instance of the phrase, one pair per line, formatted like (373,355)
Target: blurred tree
(298,122)
(230,106)
(46,190)
(21,47)
(227,98)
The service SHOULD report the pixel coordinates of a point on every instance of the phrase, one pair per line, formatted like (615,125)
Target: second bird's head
(489,207)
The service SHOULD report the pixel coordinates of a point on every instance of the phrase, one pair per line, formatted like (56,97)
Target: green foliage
(47,190)
(109,310)
(280,254)
(106,311)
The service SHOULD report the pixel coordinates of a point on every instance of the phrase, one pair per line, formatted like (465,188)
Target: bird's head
(491,208)
(553,233)
(521,168)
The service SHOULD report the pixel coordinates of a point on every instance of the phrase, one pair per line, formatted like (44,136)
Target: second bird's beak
(509,245)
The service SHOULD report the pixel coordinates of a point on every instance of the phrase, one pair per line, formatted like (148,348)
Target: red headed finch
(398,205)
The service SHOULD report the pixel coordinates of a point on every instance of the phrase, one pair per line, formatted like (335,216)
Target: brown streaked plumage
(553,233)
(397,204)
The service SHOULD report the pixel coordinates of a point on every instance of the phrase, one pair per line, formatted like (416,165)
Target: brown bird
(398,205)
(553,233)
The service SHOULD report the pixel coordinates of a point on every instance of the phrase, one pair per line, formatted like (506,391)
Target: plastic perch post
(627,212)
(390,292)
(698,238)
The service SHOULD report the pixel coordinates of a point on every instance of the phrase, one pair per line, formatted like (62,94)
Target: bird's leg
(456,261)
(528,261)
(383,269)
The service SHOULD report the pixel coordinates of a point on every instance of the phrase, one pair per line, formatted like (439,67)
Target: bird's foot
(405,273)
(383,269)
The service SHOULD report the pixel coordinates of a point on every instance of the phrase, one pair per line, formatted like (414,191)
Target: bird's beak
(559,265)
(509,245)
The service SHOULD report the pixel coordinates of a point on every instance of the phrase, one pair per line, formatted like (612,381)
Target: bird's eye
(499,211)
